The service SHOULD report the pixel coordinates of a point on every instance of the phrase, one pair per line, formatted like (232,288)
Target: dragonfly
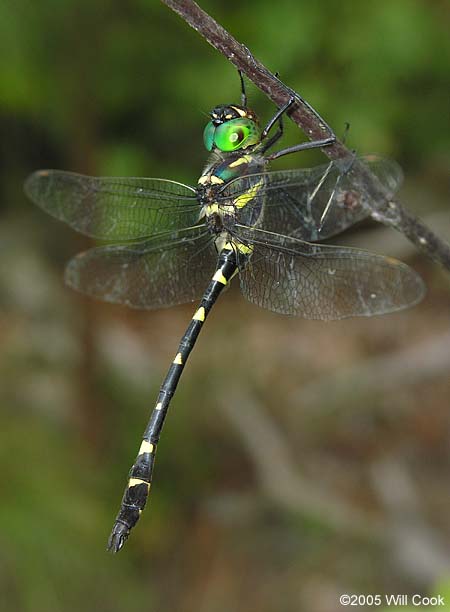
(166,243)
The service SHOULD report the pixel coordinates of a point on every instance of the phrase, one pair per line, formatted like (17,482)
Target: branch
(382,207)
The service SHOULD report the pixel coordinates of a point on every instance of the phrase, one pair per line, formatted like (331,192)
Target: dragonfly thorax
(222,169)
(222,204)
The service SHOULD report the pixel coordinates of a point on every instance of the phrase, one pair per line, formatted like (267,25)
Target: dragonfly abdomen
(140,476)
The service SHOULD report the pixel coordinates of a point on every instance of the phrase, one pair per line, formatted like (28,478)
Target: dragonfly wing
(316,203)
(292,277)
(164,271)
(113,208)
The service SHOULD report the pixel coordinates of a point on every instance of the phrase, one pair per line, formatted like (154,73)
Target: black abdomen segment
(140,476)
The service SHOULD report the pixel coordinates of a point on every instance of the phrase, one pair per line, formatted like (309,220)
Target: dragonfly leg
(243,92)
(303,146)
(278,115)
(345,170)
(140,475)
(266,144)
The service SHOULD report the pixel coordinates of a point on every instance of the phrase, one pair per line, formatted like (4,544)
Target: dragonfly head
(232,127)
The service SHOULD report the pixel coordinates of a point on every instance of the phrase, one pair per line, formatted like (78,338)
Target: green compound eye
(232,135)
(236,134)
(208,136)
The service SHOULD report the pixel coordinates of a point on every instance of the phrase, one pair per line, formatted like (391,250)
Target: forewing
(295,200)
(164,271)
(292,277)
(114,208)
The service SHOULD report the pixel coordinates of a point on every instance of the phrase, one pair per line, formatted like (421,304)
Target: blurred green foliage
(123,88)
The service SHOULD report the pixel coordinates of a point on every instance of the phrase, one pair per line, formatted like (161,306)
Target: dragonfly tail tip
(118,537)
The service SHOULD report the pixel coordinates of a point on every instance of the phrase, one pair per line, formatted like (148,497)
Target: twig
(383,208)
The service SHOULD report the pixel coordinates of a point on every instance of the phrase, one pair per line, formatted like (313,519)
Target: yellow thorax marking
(241,160)
(227,208)
(212,208)
(245,198)
(210,178)
(158,406)
(243,248)
(178,360)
